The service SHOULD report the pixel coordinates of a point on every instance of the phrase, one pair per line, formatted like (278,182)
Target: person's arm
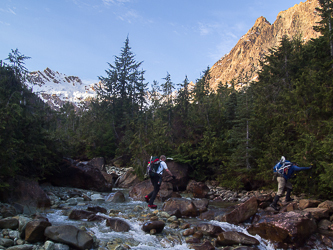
(297,168)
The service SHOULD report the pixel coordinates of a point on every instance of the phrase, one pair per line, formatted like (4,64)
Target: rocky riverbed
(190,215)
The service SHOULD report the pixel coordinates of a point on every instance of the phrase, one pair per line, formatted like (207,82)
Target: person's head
(162,158)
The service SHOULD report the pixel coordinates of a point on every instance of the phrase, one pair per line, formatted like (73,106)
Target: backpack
(153,165)
(281,167)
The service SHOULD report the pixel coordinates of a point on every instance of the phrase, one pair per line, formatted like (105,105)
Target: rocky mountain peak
(244,58)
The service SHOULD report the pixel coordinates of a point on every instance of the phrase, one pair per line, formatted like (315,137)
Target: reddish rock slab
(241,213)
(185,206)
(291,227)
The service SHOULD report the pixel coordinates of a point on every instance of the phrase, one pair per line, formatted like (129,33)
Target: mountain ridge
(254,45)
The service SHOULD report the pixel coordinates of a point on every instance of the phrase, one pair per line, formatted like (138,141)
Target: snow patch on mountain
(56,88)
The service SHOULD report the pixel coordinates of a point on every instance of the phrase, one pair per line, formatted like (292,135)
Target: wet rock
(198,189)
(128,180)
(318,213)
(10,223)
(157,225)
(204,246)
(34,231)
(117,225)
(180,171)
(291,227)
(305,203)
(97,209)
(327,204)
(185,206)
(189,231)
(234,238)
(77,214)
(21,247)
(241,213)
(118,197)
(211,214)
(69,235)
(201,204)
(79,175)
(6,242)
(140,190)
(192,240)
(209,229)
(98,163)
(95,217)
(25,192)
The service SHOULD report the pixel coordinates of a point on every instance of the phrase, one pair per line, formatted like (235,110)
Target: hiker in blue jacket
(283,180)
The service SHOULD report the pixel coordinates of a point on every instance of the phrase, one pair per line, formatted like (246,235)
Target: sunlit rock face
(255,44)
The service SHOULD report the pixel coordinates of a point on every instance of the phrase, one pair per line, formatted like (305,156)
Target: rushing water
(131,211)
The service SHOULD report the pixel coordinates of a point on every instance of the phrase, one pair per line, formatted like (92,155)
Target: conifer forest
(234,136)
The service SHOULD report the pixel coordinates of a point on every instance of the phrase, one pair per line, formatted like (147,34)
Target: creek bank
(188,214)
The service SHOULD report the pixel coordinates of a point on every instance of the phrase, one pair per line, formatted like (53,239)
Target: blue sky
(79,37)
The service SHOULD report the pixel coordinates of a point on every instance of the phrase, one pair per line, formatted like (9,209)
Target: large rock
(34,231)
(25,192)
(10,223)
(209,229)
(118,197)
(291,227)
(157,225)
(180,171)
(77,214)
(235,238)
(69,235)
(118,225)
(128,180)
(327,204)
(98,162)
(140,190)
(198,189)
(305,203)
(241,213)
(318,213)
(185,206)
(79,175)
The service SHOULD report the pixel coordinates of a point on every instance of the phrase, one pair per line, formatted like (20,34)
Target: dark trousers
(155,181)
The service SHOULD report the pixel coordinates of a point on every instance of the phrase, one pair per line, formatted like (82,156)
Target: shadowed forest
(233,136)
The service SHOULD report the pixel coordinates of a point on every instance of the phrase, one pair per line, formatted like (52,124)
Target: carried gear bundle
(281,167)
(153,165)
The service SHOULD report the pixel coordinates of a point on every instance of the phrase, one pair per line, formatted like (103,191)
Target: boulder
(157,225)
(140,190)
(327,204)
(305,203)
(181,172)
(118,197)
(34,230)
(97,209)
(128,180)
(98,163)
(79,175)
(201,204)
(185,206)
(209,229)
(77,214)
(241,213)
(69,235)
(235,238)
(291,227)
(10,223)
(117,225)
(203,246)
(198,189)
(25,192)
(318,213)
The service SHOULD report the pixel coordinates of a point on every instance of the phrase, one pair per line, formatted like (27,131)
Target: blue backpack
(282,166)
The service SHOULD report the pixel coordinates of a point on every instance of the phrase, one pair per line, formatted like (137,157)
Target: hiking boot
(288,195)
(147,198)
(152,206)
(289,199)
(272,205)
